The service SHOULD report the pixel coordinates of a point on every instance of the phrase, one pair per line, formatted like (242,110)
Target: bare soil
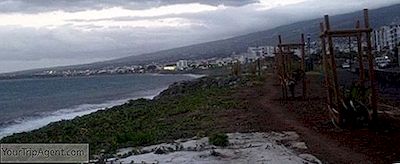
(264,111)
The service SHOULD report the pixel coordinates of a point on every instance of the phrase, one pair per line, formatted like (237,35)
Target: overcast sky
(43,33)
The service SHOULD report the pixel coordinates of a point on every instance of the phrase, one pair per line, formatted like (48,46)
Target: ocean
(28,104)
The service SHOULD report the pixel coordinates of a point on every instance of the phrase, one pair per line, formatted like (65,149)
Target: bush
(219,139)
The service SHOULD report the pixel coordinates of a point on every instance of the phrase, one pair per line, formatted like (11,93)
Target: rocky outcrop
(273,147)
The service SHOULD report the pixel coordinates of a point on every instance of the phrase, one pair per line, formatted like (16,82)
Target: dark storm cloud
(35,6)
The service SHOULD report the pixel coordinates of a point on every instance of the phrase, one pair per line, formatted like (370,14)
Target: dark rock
(160,151)
(215,153)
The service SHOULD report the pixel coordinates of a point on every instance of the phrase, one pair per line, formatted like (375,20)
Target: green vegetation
(182,111)
(219,139)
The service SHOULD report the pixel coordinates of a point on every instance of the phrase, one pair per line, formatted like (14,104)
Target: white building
(182,65)
(169,67)
(239,58)
(269,51)
(386,37)
(261,51)
(254,52)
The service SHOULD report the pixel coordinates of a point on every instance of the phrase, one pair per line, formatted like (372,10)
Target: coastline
(32,123)
(133,122)
(193,110)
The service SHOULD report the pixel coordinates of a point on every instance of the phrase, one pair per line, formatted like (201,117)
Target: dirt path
(308,118)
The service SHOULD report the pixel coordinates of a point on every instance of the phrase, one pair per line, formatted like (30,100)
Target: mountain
(291,32)
(221,48)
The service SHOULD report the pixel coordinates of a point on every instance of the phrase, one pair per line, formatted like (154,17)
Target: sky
(46,33)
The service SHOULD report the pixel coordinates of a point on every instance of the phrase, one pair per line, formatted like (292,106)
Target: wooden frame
(334,96)
(284,65)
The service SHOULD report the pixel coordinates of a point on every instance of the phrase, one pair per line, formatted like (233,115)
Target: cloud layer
(44,33)
(36,6)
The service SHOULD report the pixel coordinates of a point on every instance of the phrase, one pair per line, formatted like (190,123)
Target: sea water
(28,104)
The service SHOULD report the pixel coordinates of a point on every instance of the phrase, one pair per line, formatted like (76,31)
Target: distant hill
(221,48)
(291,32)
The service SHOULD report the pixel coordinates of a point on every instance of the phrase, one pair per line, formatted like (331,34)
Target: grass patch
(219,139)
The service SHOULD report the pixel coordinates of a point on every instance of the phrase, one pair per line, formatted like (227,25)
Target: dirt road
(266,112)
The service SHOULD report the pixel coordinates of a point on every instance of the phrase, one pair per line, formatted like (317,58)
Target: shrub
(219,139)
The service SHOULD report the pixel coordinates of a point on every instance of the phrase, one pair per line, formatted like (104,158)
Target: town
(386,43)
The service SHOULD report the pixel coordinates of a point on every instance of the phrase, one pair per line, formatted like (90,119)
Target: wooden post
(259,66)
(286,61)
(303,66)
(291,60)
(360,56)
(281,55)
(276,57)
(351,54)
(337,96)
(325,65)
(283,73)
(371,69)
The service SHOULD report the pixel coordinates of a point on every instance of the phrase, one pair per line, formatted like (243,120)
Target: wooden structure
(334,95)
(236,68)
(284,64)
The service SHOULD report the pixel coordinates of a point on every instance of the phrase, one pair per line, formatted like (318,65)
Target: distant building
(269,51)
(239,58)
(346,46)
(386,37)
(227,60)
(169,67)
(182,65)
(255,51)
(261,51)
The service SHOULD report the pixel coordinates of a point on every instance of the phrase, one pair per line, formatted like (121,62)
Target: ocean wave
(35,122)
(196,76)
(186,74)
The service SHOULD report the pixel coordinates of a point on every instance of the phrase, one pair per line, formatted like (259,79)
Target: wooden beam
(283,70)
(337,95)
(346,33)
(374,94)
(303,66)
(360,56)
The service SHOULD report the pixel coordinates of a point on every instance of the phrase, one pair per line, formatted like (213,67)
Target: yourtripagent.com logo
(44,153)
